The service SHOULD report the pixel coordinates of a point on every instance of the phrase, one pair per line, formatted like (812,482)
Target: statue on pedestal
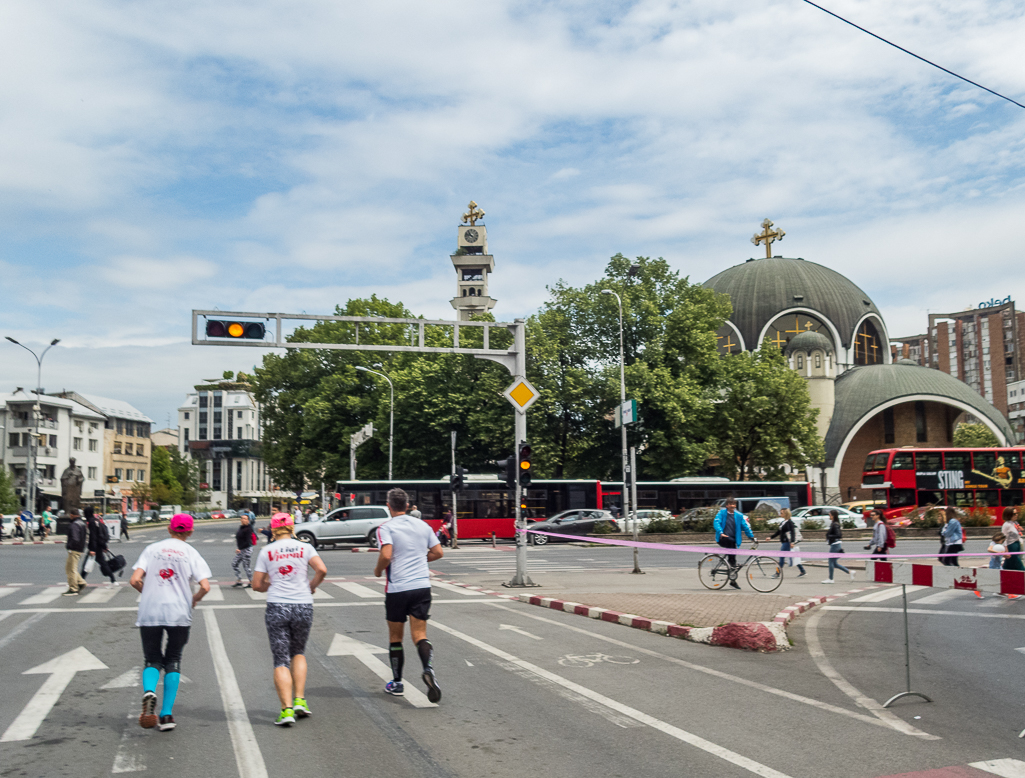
(71,486)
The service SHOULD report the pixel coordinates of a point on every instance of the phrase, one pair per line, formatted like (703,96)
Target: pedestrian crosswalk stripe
(886,594)
(98,596)
(941,596)
(358,589)
(49,594)
(5,590)
(216,594)
(451,588)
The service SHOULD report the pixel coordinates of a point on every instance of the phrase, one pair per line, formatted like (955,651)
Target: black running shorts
(415,603)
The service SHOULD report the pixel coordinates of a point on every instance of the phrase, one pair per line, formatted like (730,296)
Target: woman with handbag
(834,537)
(1012,534)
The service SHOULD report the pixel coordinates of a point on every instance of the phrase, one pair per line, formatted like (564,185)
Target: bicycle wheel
(713,571)
(620,660)
(764,574)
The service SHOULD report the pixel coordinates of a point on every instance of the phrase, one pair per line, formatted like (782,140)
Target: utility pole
(455,512)
(622,402)
(633,500)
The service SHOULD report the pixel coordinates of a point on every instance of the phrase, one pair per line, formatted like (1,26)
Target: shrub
(663,526)
(848,524)
(977,517)
(760,524)
(602,528)
(697,525)
(811,524)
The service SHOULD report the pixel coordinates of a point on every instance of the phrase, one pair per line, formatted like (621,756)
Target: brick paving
(694,610)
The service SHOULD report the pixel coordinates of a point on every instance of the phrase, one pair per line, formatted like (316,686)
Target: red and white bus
(902,479)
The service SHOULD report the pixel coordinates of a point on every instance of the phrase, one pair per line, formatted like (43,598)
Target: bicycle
(762,572)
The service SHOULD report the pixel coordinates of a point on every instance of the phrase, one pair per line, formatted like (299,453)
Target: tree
(165,487)
(974,436)
(9,502)
(764,419)
(185,471)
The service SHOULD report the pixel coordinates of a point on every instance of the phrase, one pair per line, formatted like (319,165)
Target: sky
(161,157)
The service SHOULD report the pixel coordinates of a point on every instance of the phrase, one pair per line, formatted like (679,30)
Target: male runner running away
(164,575)
(406,546)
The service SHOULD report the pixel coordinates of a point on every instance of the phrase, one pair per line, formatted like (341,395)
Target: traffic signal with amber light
(235,330)
(458,479)
(525,464)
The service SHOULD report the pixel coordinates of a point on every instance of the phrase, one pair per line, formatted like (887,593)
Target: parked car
(572,522)
(149,516)
(747,505)
(860,506)
(218,515)
(918,513)
(355,524)
(133,517)
(642,518)
(7,523)
(821,512)
(202,516)
(231,514)
(697,514)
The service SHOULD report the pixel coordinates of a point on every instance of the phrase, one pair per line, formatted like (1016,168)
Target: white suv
(355,524)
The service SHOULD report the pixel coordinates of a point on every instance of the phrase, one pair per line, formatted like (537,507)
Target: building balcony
(40,482)
(226,449)
(43,424)
(42,451)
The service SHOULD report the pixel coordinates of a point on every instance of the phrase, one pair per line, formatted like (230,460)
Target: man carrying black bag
(99,539)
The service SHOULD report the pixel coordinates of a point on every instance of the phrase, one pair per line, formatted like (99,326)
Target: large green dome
(761,289)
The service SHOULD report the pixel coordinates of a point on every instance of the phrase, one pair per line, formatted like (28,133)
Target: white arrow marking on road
(61,670)
(518,630)
(132,678)
(343,645)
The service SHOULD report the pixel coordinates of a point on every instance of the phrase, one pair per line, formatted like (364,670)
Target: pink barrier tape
(761,552)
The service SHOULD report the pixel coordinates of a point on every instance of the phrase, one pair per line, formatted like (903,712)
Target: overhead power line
(916,56)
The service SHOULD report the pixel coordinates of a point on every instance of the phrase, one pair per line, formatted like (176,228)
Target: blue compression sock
(150,678)
(171,681)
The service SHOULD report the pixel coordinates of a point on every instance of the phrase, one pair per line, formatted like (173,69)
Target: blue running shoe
(395,688)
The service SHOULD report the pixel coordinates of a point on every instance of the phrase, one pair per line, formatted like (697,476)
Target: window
(76,443)
(129,474)
(239,436)
(186,415)
(957,461)
(960,499)
(985,461)
(818,361)
(142,475)
(202,417)
(119,473)
(904,461)
(928,462)
(120,426)
(1011,497)
(240,414)
(1012,459)
(91,473)
(117,448)
(217,417)
(800,361)
(93,445)
(218,398)
(94,426)
(202,400)
(987,498)
(129,449)
(216,479)
(930,498)
(900,498)
(78,426)
(238,474)
(202,433)
(230,430)
(140,450)
(921,433)
(888,427)
(186,431)
(53,441)
(13,440)
(217,433)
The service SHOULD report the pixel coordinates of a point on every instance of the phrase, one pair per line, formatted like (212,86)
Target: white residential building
(219,426)
(65,429)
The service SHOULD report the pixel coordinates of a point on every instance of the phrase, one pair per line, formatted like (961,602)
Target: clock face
(470,236)
(790,325)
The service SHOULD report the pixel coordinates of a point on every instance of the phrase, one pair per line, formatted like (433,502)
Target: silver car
(355,524)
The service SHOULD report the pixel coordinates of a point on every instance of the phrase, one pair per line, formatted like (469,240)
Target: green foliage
(603,528)
(848,524)
(929,518)
(812,524)
(977,517)
(185,472)
(9,502)
(974,436)
(663,526)
(764,419)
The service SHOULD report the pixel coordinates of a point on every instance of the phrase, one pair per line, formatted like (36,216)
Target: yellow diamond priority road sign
(521,394)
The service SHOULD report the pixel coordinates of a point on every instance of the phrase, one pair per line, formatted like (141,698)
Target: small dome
(808,342)
(906,361)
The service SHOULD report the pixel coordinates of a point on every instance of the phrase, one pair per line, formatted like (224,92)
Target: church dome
(810,341)
(762,289)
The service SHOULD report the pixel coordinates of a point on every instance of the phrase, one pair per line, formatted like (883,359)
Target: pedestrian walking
(880,535)
(953,537)
(19,530)
(415,513)
(75,545)
(124,528)
(99,541)
(730,527)
(44,523)
(1012,536)
(997,547)
(834,537)
(163,576)
(282,570)
(787,534)
(406,546)
(245,540)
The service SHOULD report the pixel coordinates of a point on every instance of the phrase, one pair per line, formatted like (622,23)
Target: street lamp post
(391,413)
(30,498)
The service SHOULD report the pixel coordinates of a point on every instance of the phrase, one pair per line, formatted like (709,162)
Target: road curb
(32,542)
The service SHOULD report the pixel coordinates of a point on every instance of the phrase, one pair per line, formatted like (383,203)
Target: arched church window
(464,293)
(868,345)
(473,292)
(790,325)
(800,361)
(818,361)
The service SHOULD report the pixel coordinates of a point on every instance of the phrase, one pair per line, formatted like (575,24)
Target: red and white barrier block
(973,579)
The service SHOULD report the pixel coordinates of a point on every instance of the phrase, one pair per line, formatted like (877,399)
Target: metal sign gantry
(513,359)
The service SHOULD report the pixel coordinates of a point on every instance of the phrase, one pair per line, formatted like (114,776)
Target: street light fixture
(30,497)
(391,412)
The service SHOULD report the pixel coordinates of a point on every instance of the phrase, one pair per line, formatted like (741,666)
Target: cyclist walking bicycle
(730,527)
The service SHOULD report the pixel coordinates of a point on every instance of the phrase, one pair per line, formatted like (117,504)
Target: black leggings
(170,659)
(726,542)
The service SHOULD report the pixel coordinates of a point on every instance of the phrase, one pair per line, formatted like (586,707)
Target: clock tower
(473,265)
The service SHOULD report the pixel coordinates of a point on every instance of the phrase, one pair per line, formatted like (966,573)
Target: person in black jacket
(245,539)
(787,534)
(75,545)
(99,539)
(834,536)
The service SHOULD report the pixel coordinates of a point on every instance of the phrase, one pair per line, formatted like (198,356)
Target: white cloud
(157,275)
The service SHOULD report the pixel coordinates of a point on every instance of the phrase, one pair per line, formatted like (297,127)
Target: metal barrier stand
(907,661)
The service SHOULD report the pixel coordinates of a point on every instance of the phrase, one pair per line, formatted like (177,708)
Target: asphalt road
(526,691)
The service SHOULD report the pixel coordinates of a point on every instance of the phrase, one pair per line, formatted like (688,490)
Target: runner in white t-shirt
(164,575)
(282,570)
(406,545)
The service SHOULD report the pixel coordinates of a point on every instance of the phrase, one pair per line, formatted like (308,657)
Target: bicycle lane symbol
(590,660)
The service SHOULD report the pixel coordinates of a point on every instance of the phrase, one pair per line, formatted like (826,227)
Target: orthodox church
(836,338)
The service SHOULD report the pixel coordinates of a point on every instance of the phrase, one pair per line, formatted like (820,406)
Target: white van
(748,505)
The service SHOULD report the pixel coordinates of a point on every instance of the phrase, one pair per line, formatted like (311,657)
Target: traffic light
(457,479)
(508,468)
(235,330)
(525,472)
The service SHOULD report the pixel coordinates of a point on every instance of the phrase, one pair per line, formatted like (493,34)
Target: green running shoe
(302,710)
(285,718)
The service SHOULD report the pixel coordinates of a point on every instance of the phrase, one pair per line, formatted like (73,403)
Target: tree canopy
(974,435)
(9,502)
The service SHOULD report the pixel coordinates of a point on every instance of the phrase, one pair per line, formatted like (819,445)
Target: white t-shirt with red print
(287,563)
(171,566)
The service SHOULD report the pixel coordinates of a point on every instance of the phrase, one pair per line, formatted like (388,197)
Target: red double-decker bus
(902,479)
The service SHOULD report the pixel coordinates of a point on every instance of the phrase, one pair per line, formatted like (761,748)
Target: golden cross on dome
(729,344)
(797,327)
(767,236)
(779,340)
(473,214)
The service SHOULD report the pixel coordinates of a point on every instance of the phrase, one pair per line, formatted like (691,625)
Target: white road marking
(228,540)
(243,740)
(811,636)
(61,670)
(519,631)
(320,594)
(880,609)
(343,645)
(125,680)
(886,594)
(358,589)
(216,594)
(255,595)
(700,668)
(662,726)
(128,759)
(468,663)
(25,625)
(5,590)
(1007,768)
(49,594)
(98,596)
(459,589)
(944,595)
(209,541)
(231,606)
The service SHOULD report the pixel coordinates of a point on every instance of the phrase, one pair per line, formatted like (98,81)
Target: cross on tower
(473,214)
(767,236)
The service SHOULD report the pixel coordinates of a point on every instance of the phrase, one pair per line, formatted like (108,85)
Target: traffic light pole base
(521,582)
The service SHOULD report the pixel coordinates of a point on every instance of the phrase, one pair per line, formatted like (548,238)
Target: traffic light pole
(455,509)
(521,579)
